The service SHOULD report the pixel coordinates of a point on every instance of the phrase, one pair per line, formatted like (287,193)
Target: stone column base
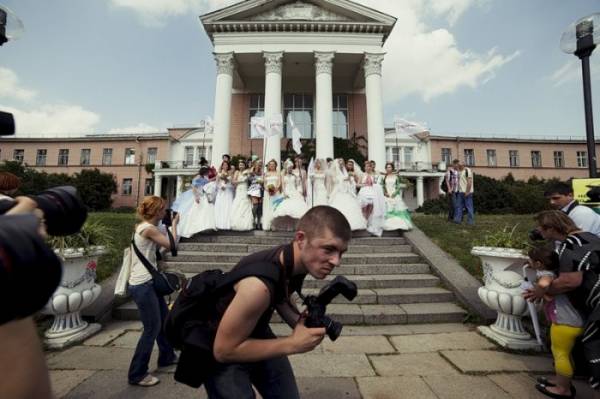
(65,341)
(510,343)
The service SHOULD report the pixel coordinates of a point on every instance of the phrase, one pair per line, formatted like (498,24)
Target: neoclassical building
(316,62)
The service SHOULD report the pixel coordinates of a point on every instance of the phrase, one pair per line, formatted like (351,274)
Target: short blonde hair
(150,207)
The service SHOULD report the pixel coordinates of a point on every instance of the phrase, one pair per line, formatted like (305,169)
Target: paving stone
(328,388)
(383,314)
(95,358)
(111,331)
(437,328)
(518,385)
(64,381)
(392,329)
(127,340)
(481,361)
(332,365)
(394,387)
(411,364)
(436,342)
(464,386)
(365,344)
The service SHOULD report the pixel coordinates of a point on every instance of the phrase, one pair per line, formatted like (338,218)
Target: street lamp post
(581,39)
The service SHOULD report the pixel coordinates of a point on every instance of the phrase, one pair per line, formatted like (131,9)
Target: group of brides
(247,197)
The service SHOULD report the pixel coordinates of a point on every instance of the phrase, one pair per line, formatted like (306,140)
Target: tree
(95,188)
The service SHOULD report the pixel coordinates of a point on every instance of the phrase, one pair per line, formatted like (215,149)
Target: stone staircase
(394,285)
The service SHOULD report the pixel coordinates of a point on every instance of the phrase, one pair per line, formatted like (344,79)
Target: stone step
(279,240)
(381,281)
(386,296)
(251,248)
(403,268)
(355,314)
(348,259)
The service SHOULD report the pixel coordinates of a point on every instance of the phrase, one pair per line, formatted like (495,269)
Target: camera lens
(64,211)
(332,327)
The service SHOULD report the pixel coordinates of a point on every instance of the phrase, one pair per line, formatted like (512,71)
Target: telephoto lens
(29,270)
(64,211)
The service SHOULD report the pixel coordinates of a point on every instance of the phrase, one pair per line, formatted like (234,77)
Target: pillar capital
(324,62)
(273,61)
(225,63)
(372,63)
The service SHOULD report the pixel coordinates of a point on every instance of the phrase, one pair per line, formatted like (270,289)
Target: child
(567,325)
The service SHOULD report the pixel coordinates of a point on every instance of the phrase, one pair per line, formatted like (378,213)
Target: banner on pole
(257,127)
(403,126)
(296,135)
(275,126)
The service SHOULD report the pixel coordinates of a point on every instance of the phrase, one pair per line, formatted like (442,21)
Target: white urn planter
(77,290)
(502,292)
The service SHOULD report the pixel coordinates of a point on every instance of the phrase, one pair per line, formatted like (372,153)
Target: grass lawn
(122,226)
(458,240)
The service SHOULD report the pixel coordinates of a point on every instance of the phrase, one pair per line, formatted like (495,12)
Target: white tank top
(139,273)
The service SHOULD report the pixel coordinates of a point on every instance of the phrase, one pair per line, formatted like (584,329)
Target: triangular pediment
(343,11)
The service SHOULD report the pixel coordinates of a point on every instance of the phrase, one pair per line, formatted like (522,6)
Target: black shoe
(542,388)
(545,381)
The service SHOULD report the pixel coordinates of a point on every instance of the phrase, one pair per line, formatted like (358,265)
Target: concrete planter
(502,292)
(77,290)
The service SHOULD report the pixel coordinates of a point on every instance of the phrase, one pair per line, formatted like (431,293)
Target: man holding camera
(247,350)
(561,198)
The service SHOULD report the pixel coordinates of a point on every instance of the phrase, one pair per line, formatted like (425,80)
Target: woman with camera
(151,306)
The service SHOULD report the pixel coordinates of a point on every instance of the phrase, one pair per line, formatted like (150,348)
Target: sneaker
(172,363)
(148,381)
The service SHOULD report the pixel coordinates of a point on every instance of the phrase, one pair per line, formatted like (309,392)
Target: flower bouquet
(271,189)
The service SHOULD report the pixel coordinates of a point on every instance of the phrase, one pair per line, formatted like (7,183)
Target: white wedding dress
(371,193)
(223,204)
(197,214)
(241,211)
(267,215)
(342,199)
(293,204)
(318,189)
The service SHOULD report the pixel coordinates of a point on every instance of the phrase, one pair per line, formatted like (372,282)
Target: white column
(376,136)
(224,84)
(273,63)
(157,184)
(420,191)
(324,104)
(179,185)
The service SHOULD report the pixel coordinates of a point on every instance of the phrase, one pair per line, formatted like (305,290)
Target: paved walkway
(380,362)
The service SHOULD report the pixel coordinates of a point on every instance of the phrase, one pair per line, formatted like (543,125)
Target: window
(40,158)
(559,159)
(513,158)
(151,158)
(106,156)
(469,157)
(18,155)
(491,158)
(129,156)
(257,108)
(408,155)
(300,108)
(149,187)
(126,187)
(188,156)
(395,151)
(85,156)
(447,155)
(582,159)
(340,116)
(63,157)
(201,151)
(536,159)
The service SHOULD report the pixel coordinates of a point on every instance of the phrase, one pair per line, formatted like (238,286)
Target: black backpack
(192,323)
(444,186)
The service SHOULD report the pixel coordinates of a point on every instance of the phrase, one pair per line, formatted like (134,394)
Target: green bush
(435,206)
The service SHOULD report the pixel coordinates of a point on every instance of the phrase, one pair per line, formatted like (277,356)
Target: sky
(461,67)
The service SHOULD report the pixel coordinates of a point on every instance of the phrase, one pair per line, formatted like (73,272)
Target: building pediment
(298,16)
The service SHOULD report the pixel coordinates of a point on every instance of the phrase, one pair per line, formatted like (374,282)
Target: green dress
(397,216)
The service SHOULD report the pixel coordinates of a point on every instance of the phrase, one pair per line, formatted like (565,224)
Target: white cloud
(53,120)
(139,128)
(570,71)
(10,88)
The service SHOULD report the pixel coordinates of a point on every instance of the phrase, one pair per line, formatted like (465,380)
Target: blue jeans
(463,201)
(153,311)
(273,379)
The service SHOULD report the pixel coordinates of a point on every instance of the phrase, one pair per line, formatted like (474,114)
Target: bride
(343,199)
(195,209)
(241,210)
(396,215)
(272,184)
(224,197)
(371,199)
(316,187)
(292,205)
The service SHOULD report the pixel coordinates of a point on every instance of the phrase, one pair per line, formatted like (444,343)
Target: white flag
(407,127)
(275,126)
(296,135)
(257,127)
(208,125)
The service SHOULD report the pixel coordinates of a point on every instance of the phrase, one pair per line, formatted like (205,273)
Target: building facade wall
(525,170)
(118,168)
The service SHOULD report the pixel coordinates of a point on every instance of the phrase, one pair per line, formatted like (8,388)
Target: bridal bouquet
(271,189)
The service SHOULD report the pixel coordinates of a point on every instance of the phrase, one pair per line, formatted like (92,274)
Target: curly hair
(9,182)
(150,207)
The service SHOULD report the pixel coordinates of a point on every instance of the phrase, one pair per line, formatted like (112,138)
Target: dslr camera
(316,306)
(169,216)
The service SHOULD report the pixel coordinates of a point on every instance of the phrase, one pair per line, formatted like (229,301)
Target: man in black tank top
(248,351)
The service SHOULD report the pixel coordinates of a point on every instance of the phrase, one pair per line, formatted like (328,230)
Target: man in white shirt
(561,198)
(464,195)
